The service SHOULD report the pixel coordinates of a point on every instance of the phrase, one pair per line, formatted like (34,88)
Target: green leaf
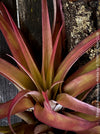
(74,104)
(82,83)
(15,75)
(6,129)
(60,121)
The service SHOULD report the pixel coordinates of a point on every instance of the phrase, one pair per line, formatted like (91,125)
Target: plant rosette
(54,100)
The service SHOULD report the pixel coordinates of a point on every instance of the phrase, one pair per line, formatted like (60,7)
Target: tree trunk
(82,17)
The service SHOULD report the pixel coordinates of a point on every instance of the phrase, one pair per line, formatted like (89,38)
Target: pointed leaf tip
(46,38)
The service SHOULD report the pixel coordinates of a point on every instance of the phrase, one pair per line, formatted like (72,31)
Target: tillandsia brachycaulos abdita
(44,89)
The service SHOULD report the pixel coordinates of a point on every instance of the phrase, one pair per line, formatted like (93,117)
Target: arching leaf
(82,83)
(60,121)
(74,104)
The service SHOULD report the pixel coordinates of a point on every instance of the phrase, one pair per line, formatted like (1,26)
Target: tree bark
(82,17)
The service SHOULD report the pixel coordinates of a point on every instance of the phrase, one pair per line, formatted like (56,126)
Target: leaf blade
(91,65)
(82,83)
(16,100)
(15,75)
(46,39)
(61,121)
(24,104)
(18,46)
(77,105)
(75,54)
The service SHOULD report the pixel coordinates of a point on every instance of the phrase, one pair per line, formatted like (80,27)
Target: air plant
(47,94)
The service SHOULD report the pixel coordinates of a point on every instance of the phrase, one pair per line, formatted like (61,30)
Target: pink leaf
(3,12)
(47,104)
(82,83)
(95,130)
(51,65)
(22,105)
(46,39)
(27,72)
(91,65)
(60,121)
(74,104)
(75,54)
(15,75)
(16,100)
(18,46)
(54,17)
(57,24)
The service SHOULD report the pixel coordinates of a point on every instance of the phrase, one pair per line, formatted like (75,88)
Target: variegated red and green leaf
(82,83)
(46,39)
(15,75)
(52,59)
(95,130)
(61,121)
(22,105)
(75,54)
(3,12)
(91,65)
(84,116)
(36,95)
(20,128)
(74,104)
(42,128)
(12,41)
(18,46)
(58,36)
(27,116)
(57,24)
